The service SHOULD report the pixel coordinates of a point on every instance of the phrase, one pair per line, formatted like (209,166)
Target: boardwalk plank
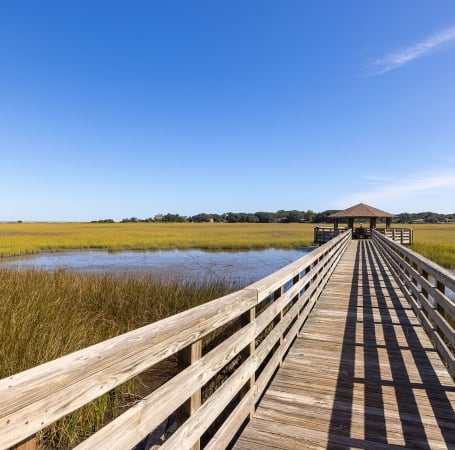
(361,374)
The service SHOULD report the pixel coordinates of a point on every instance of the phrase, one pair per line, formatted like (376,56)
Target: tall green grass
(46,315)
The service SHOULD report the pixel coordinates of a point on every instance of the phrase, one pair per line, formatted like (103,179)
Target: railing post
(424,291)
(442,289)
(276,295)
(248,317)
(28,444)
(186,357)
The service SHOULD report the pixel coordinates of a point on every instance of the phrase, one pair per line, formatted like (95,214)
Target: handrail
(425,285)
(269,313)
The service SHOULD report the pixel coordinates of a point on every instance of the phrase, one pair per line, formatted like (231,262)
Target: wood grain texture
(362,372)
(34,399)
(424,284)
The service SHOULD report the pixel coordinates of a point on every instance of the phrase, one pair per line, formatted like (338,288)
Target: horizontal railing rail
(430,290)
(401,235)
(325,234)
(268,315)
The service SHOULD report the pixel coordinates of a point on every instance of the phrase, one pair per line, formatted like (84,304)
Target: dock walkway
(362,373)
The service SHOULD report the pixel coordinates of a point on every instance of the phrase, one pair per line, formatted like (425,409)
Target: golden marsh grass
(46,315)
(26,238)
(436,242)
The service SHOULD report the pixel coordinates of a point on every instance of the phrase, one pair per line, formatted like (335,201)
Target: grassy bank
(436,242)
(47,315)
(25,238)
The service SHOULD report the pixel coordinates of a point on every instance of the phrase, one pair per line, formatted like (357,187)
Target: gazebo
(362,211)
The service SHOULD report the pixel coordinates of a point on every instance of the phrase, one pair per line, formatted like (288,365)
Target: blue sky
(113,109)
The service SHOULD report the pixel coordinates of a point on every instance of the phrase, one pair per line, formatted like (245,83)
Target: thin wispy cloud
(406,55)
(428,190)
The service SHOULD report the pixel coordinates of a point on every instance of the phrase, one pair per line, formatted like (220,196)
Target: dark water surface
(242,267)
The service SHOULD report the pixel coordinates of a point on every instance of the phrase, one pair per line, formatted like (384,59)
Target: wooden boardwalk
(362,374)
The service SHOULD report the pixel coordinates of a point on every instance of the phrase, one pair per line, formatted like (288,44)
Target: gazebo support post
(372,223)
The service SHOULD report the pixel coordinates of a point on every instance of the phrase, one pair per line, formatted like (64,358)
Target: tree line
(281,216)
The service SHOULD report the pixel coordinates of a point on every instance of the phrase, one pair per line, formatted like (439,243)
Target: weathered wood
(191,379)
(35,398)
(188,356)
(435,310)
(28,444)
(135,423)
(361,373)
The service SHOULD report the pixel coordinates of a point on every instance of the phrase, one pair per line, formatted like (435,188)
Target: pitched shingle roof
(361,210)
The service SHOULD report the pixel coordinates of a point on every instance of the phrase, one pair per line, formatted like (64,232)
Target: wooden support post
(276,295)
(415,281)
(248,317)
(186,357)
(28,444)
(372,223)
(441,288)
(424,291)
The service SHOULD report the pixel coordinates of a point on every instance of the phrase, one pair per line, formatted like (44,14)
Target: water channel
(240,267)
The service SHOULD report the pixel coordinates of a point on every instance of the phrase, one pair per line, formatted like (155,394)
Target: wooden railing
(257,324)
(429,289)
(325,234)
(401,235)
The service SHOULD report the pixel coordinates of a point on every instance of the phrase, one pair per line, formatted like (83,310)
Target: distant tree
(281,215)
(232,217)
(295,216)
(405,218)
(323,217)
(309,215)
(218,217)
(241,217)
(171,217)
(265,217)
(103,221)
(201,218)
(251,218)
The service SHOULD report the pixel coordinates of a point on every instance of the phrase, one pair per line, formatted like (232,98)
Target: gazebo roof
(361,210)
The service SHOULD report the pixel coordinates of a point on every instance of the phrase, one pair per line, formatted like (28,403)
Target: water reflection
(242,267)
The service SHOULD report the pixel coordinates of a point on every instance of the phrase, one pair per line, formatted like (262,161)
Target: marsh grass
(46,315)
(436,242)
(27,238)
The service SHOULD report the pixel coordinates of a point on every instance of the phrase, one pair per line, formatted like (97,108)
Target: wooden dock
(362,373)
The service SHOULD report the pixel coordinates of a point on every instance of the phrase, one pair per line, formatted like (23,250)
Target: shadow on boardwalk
(403,397)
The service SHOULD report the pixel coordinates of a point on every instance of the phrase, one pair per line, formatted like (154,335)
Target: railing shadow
(429,384)
(386,396)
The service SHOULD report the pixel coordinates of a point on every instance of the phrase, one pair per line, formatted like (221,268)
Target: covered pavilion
(362,211)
